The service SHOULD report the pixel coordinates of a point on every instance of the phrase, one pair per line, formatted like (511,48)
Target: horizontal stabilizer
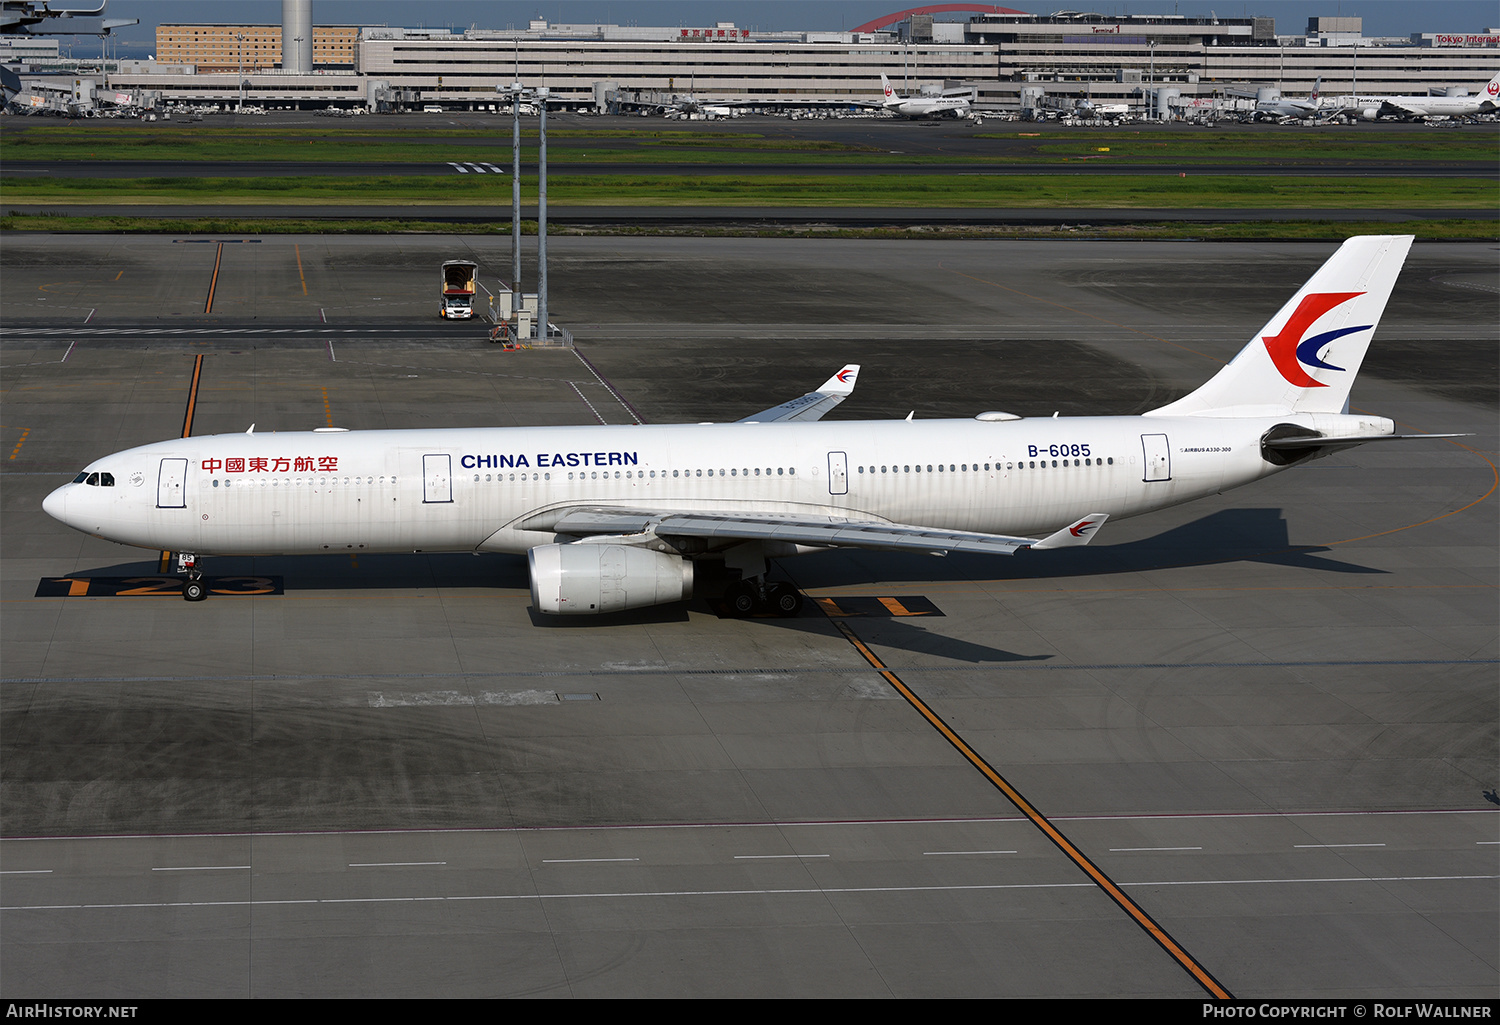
(815,404)
(1303,442)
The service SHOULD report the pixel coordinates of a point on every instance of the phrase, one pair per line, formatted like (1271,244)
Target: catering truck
(459,278)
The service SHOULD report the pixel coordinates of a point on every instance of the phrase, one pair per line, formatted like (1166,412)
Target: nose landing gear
(193,588)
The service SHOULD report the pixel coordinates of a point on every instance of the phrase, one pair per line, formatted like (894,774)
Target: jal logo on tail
(1290,352)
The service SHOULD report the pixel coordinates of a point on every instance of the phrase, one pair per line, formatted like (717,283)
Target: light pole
(241,39)
(297,46)
(515,195)
(1155,100)
(541,219)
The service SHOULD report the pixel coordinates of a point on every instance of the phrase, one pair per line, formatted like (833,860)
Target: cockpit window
(82,476)
(106,480)
(96,479)
(93,480)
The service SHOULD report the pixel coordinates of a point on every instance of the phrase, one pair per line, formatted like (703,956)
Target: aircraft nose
(56,504)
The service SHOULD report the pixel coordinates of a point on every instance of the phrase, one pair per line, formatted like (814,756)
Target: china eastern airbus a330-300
(615,517)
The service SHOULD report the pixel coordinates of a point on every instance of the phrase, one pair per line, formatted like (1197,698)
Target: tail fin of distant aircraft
(885,87)
(1317,87)
(1492,93)
(1304,360)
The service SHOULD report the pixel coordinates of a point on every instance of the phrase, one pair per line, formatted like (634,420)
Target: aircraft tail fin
(1306,357)
(1317,87)
(885,88)
(1492,93)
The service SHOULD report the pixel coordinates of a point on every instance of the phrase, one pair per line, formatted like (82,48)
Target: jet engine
(589,579)
(1370,113)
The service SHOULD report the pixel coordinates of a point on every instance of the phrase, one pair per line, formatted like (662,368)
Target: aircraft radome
(615,517)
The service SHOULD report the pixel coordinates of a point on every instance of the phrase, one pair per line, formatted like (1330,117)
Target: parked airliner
(1487,101)
(922,106)
(1282,109)
(614,517)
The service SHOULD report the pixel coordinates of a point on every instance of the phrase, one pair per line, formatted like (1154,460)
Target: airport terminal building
(1167,64)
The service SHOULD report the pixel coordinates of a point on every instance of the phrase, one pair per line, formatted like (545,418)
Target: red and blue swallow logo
(844,375)
(1290,352)
(1080,529)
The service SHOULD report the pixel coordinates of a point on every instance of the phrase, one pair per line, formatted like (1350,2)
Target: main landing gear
(193,588)
(751,597)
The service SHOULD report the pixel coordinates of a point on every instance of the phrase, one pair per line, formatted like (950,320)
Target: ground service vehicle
(460,281)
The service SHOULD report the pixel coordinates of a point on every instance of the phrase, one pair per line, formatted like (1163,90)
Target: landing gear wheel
(194,590)
(742,598)
(785,599)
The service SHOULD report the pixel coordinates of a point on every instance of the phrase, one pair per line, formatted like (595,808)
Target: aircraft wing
(816,531)
(1400,108)
(814,404)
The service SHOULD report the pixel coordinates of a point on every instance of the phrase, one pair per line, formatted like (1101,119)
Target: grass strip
(905,191)
(1309,230)
(187,144)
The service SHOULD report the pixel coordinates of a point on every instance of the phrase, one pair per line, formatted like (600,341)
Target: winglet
(814,404)
(1074,534)
(841,383)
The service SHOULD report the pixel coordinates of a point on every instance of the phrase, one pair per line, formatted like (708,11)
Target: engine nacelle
(1370,113)
(589,579)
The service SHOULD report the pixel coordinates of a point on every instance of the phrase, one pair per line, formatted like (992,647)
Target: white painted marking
(582,861)
(1331,846)
(794,892)
(769,857)
(935,854)
(477,168)
(393,864)
(458,167)
(202,868)
(1129,850)
(26,872)
(586,402)
(379,699)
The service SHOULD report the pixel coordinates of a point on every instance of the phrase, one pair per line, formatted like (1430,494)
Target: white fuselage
(927,108)
(1415,106)
(1439,106)
(475,489)
(1300,109)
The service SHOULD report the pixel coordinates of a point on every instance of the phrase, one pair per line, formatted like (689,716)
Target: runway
(677,217)
(1266,720)
(20,170)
